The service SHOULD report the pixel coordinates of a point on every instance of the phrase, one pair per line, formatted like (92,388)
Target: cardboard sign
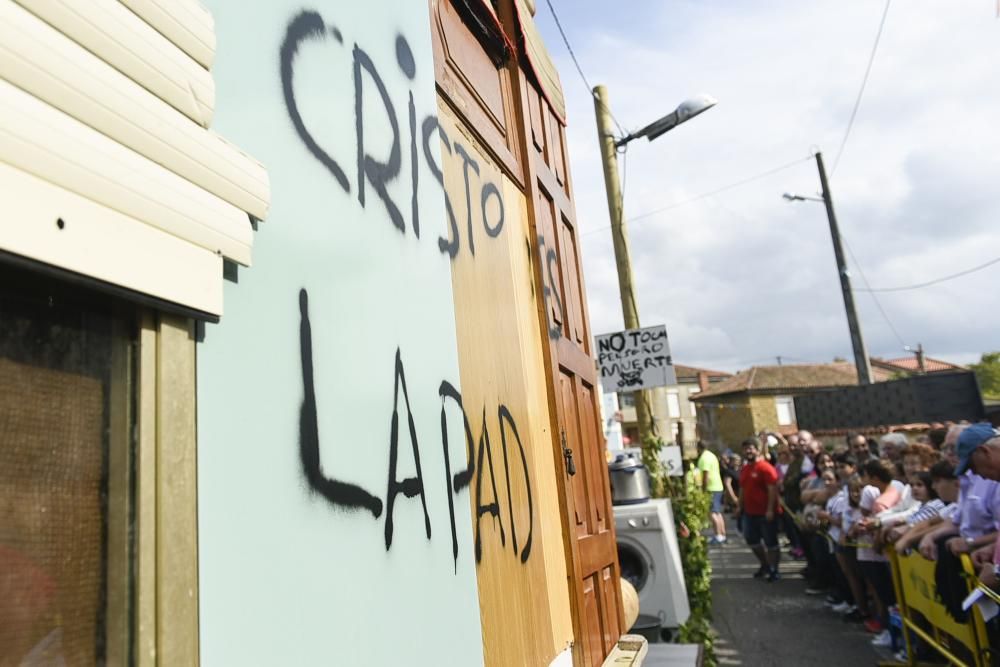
(672,460)
(635,359)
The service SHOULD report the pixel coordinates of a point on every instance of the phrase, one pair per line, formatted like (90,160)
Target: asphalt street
(761,624)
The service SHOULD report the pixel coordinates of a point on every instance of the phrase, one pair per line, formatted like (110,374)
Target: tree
(988,373)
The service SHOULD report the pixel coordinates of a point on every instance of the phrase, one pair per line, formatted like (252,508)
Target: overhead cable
(861,92)
(579,69)
(704,195)
(930,282)
(868,289)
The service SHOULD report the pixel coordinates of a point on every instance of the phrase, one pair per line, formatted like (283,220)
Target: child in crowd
(881,493)
(944,487)
(850,518)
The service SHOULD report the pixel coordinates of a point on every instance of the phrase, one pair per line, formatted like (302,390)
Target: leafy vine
(690,508)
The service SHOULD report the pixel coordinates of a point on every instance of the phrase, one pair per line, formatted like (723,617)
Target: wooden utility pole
(623,259)
(861,359)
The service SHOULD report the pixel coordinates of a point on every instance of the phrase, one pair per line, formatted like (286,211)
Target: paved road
(761,624)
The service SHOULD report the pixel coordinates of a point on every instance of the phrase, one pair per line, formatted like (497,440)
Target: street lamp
(609,148)
(792,197)
(861,359)
(687,110)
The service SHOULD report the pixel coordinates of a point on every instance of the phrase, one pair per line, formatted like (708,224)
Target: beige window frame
(166,514)
(784,406)
(151,563)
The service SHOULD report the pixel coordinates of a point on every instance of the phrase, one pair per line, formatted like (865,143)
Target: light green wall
(288,575)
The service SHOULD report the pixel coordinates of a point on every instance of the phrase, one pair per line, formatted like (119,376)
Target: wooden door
(589,523)
(521,571)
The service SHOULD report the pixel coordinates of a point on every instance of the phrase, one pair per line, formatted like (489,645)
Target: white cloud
(744,276)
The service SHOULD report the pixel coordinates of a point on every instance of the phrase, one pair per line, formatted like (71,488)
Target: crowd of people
(842,506)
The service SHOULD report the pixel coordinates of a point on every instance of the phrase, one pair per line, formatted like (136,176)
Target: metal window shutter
(101,129)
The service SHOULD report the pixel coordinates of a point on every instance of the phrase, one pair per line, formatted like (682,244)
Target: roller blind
(107,163)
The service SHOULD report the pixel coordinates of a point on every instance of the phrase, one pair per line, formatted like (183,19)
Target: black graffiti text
(373,97)
(347,496)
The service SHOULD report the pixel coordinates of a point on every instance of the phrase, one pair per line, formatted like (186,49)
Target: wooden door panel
(610,599)
(571,432)
(593,632)
(557,158)
(472,82)
(548,251)
(535,120)
(599,488)
(571,270)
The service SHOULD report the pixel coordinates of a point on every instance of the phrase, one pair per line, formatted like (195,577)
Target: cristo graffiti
(378,171)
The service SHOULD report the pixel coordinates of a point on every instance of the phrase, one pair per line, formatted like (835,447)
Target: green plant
(690,507)
(988,373)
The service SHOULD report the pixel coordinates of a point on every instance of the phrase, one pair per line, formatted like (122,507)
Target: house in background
(763,398)
(674,413)
(914,365)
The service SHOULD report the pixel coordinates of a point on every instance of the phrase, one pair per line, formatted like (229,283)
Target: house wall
(765,414)
(332,528)
(727,420)
(685,423)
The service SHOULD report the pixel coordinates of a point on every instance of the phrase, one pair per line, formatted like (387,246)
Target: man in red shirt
(759,506)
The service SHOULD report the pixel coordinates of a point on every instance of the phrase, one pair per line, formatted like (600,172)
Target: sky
(742,277)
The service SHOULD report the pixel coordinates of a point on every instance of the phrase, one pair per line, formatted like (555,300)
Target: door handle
(570,464)
(568,455)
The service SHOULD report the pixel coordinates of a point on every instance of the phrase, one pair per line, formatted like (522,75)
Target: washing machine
(651,561)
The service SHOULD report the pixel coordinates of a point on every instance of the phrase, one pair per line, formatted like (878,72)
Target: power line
(861,92)
(868,289)
(931,282)
(840,152)
(712,193)
(579,69)
(704,195)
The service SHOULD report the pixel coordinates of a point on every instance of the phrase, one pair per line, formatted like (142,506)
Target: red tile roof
(774,379)
(909,364)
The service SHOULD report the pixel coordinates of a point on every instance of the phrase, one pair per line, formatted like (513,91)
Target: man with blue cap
(979,451)
(975,525)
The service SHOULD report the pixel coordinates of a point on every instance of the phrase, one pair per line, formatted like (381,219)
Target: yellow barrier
(923,615)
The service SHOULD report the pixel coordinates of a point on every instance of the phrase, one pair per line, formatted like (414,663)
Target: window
(786,410)
(692,392)
(66,400)
(97,480)
(626,400)
(673,404)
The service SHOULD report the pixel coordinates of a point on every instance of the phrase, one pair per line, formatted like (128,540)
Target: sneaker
(874,626)
(854,616)
(843,608)
(882,639)
(773,576)
(760,573)
(900,656)
(832,600)
(815,590)
(797,553)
